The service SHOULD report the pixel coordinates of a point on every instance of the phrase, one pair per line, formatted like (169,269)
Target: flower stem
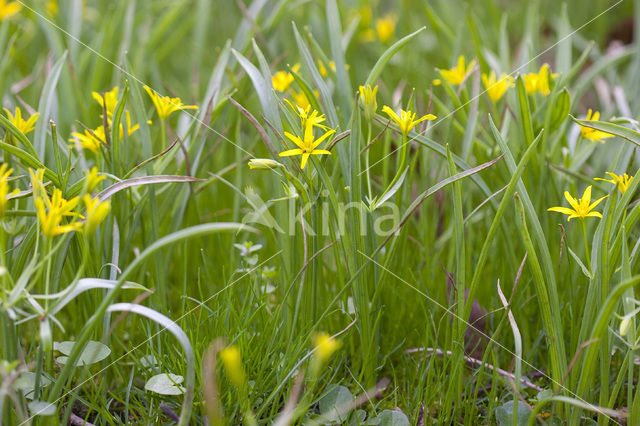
(366,159)
(163,134)
(586,245)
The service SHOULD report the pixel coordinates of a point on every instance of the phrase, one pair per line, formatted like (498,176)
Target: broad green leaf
(389,418)
(504,414)
(92,353)
(42,408)
(165,384)
(333,402)
(26,383)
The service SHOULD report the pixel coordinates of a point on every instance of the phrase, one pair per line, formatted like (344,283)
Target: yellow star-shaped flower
(457,74)
(406,120)
(308,145)
(593,134)
(580,208)
(621,181)
(166,105)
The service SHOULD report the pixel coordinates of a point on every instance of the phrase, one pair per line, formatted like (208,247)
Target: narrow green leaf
(263,89)
(45,106)
(387,55)
(524,112)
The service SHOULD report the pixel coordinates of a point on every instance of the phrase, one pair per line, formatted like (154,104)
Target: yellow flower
(301,99)
(368,35)
(52,7)
(364,13)
(50,211)
(436,82)
(5,172)
(93,179)
(457,74)
(580,207)
(232,362)
(111,99)
(313,119)
(308,145)
(325,346)
(263,164)
(166,105)
(538,82)
(497,88)
(7,10)
(368,99)
(385,27)
(406,121)
(323,70)
(90,139)
(593,134)
(283,79)
(25,126)
(130,128)
(621,181)
(96,212)
(36,183)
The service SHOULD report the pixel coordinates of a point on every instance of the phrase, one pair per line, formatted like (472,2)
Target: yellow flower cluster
(8,9)
(52,211)
(307,145)
(383,28)
(457,74)
(622,181)
(25,126)
(283,79)
(165,105)
(538,82)
(93,139)
(496,88)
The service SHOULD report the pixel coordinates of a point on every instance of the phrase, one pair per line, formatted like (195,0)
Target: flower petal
(291,152)
(322,138)
(586,196)
(303,162)
(295,139)
(572,201)
(391,113)
(563,210)
(595,203)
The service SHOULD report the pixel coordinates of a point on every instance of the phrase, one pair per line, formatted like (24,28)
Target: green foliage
(412,274)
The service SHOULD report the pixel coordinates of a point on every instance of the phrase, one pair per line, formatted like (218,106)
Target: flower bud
(368,99)
(263,164)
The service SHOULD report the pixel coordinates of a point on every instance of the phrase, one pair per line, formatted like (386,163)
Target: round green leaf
(92,353)
(165,384)
(41,408)
(27,383)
